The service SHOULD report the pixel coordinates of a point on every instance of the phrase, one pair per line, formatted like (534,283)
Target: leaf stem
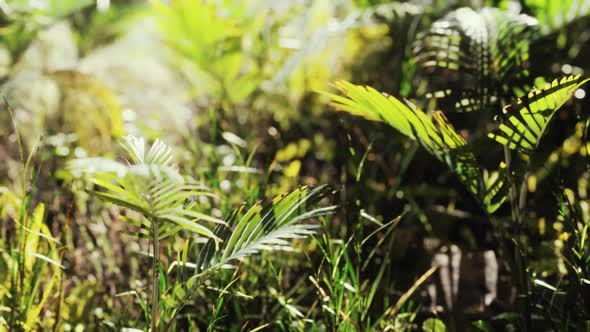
(517,203)
(155,275)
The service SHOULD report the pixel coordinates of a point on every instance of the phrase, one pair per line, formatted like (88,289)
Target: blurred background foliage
(233,87)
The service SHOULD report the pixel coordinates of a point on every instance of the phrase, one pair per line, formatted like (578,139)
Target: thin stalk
(19,268)
(155,275)
(517,202)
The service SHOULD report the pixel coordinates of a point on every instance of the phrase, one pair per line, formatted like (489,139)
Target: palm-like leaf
(525,120)
(436,134)
(264,227)
(553,15)
(482,56)
(150,185)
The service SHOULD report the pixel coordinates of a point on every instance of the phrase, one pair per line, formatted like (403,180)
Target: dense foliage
(326,165)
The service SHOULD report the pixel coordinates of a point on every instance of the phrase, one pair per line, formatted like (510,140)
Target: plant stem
(155,275)
(517,202)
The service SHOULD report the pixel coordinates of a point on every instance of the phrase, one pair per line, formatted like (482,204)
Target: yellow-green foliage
(31,266)
(210,45)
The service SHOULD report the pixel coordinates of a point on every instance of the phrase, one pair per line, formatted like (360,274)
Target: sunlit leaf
(476,57)
(150,185)
(437,135)
(264,227)
(525,120)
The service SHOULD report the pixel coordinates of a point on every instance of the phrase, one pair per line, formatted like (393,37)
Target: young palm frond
(437,135)
(525,120)
(481,55)
(264,227)
(259,228)
(150,185)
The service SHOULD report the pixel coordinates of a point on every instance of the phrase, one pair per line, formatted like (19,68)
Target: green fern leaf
(525,120)
(437,135)
(150,185)
(264,227)
(478,56)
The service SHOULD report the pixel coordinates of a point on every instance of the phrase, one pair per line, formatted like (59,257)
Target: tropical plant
(464,199)
(478,59)
(262,227)
(152,186)
(526,122)
(210,52)
(437,135)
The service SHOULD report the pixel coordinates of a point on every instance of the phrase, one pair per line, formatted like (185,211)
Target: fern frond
(525,120)
(496,188)
(159,153)
(264,227)
(437,135)
(150,185)
(482,56)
